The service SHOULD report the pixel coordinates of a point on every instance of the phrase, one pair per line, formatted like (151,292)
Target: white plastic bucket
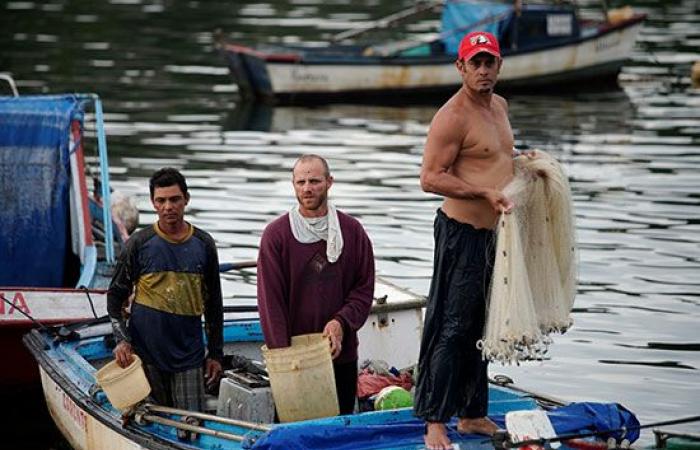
(302,379)
(124,387)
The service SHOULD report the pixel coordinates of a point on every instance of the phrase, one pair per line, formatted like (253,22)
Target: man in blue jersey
(172,269)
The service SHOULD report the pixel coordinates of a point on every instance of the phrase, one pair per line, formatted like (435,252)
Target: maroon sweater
(299,291)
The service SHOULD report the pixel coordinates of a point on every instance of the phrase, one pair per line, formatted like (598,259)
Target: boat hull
(596,57)
(47,306)
(89,422)
(80,428)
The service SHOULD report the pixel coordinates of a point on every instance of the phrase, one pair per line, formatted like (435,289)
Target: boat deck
(70,368)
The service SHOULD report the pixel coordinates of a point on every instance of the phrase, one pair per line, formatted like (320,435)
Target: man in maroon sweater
(316,274)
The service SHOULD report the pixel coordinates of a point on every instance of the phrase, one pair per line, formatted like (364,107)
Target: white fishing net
(534,278)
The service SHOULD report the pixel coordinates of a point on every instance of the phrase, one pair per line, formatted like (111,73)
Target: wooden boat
(55,254)
(89,421)
(542,46)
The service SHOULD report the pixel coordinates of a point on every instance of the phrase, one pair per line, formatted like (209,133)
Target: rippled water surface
(633,155)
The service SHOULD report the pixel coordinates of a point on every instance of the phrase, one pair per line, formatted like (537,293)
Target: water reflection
(633,155)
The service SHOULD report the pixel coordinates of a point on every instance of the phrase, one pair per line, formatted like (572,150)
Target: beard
(313,203)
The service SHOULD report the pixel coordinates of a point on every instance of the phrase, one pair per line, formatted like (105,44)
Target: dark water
(633,154)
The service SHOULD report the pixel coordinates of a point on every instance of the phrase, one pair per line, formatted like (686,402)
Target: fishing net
(534,278)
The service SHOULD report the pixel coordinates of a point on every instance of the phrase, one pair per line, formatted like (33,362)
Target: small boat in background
(57,235)
(542,46)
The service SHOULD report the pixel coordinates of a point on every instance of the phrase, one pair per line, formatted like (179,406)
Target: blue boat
(89,421)
(543,45)
(57,240)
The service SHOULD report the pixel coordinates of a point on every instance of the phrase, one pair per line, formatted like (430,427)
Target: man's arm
(358,303)
(213,315)
(213,309)
(441,150)
(272,292)
(120,288)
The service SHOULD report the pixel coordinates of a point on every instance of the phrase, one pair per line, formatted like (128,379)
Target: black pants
(452,377)
(346,385)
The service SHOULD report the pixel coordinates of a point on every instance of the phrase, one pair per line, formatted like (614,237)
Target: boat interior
(243,409)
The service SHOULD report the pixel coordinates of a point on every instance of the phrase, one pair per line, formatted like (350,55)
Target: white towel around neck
(308,230)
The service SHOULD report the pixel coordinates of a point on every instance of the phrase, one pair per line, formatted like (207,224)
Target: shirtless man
(468,159)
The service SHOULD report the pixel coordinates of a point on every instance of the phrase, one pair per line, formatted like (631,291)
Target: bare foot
(436,436)
(481,425)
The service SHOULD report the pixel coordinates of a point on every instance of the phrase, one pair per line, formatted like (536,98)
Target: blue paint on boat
(37,223)
(71,365)
(35,183)
(49,222)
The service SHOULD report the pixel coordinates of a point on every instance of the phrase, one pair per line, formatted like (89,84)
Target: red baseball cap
(477,42)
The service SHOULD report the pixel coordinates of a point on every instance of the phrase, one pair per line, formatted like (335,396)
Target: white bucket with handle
(302,379)
(124,387)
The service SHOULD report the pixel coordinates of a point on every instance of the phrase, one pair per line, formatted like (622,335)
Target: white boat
(542,46)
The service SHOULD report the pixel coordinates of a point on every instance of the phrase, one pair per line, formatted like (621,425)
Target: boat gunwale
(52,289)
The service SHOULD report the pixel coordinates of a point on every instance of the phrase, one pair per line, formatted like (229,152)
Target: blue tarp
(34,188)
(573,418)
(460,17)
(594,417)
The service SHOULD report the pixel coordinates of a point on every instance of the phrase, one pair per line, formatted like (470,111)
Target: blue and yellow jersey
(174,283)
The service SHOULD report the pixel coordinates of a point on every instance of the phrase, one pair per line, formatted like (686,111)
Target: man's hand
(334,332)
(123,353)
(532,154)
(212,371)
(499,202)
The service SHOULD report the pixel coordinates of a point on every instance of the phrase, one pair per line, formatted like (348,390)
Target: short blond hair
(310,157)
